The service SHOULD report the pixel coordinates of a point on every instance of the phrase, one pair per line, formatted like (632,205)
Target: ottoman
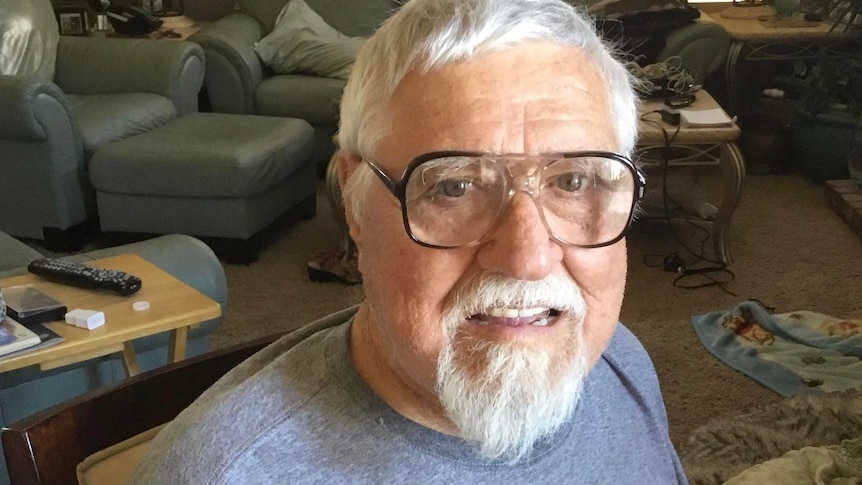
(220,177)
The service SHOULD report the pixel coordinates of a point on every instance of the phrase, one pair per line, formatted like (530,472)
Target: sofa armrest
(702,46)
(24,101)
(174,70)
(14,255)
(183,257)
(233,67)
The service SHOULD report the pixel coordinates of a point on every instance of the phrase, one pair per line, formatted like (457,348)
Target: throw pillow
(302,42)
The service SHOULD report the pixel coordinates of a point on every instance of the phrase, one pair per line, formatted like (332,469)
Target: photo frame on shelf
(72,20)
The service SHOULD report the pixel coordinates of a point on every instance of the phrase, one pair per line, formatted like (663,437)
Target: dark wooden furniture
(46,447)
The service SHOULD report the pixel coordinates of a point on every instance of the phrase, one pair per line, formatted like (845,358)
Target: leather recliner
(57,110)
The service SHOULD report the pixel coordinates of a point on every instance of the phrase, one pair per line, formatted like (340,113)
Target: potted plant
(846,15)
(828,115)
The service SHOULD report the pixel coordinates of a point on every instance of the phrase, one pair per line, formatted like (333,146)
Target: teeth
(515,312)
(540,323)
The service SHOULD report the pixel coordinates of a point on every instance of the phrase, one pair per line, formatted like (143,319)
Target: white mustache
(493,290)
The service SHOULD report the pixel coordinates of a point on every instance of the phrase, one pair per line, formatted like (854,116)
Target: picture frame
(73,20)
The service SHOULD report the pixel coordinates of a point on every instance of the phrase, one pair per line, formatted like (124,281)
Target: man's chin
(507,397)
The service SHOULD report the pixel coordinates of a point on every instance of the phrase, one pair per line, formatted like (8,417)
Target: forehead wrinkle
(554,125)
(499,103)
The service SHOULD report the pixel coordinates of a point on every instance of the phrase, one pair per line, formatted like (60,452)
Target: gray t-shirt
(303,415)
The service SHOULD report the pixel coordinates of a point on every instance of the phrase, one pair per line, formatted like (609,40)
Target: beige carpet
(790,251)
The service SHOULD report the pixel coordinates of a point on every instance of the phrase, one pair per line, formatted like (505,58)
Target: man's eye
(571,182)
(452,187)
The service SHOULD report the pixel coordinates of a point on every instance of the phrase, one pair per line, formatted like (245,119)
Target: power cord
(668,75)
(702,272)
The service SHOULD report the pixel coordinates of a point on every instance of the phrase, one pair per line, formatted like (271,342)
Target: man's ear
(345,165)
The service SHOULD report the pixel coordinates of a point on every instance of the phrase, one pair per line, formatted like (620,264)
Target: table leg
(177,344)
(733,175)
(730,66)
(130,362)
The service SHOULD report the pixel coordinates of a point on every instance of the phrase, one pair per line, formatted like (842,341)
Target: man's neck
(414,402)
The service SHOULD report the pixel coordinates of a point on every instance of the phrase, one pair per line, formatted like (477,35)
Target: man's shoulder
(272,385)
(628,360)
(298,352)
(625,347)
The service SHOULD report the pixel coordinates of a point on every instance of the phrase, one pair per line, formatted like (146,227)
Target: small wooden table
(184,28)
(761,42)
(700,147)
(174,307)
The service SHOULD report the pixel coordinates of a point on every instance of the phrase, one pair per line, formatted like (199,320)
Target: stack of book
(22,329)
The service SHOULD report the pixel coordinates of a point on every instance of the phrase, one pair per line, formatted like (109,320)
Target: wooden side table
(174,307)
(713,146)
(755,40)
(185,28)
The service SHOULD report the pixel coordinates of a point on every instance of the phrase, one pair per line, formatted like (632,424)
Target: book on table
(15,336)
(705,118)
(47,338)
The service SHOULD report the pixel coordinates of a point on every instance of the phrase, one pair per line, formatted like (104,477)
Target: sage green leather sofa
(237,82)
(29,390)
(85,92)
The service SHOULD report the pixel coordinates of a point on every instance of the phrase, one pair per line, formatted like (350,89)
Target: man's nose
(520,246)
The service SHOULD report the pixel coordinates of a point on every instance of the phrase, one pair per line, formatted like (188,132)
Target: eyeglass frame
(398,188)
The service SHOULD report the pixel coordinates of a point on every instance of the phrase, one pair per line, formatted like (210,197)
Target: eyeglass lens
(455,201)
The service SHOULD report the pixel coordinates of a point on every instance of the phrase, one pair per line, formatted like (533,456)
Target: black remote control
(81,275)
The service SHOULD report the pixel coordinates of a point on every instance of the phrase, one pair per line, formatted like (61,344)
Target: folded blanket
(825,465)
(791,353)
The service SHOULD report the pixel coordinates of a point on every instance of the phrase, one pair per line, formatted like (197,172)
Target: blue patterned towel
(790,353)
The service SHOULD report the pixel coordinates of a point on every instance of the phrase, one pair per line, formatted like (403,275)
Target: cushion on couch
(107,117)
(310,98)
(302,42)
(115,464)
(350,17)
(204,155)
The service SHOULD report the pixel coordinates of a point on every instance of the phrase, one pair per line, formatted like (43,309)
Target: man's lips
(516,317)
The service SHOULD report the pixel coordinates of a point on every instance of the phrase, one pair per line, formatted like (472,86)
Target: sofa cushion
(311,98)
(108,117)
(205,155)
(116,463)
(29,39)
(264,11)
(354,18)
(303,42)
(14,254)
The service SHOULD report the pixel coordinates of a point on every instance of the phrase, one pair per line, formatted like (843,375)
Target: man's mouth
(516,317)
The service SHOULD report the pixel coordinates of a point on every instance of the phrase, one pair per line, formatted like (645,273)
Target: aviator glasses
(455,198)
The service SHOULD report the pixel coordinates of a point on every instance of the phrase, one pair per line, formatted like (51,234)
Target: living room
(790,245)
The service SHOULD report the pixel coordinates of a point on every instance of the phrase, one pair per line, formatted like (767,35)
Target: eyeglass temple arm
(641,185)
(390,184)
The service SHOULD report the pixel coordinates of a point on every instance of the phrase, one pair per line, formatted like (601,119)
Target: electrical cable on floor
(702,268)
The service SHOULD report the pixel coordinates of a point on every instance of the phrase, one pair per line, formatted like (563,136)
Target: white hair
(425,35)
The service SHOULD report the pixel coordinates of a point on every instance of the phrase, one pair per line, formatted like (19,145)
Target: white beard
(521,394)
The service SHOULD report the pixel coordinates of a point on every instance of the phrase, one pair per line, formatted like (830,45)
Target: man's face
(535,98)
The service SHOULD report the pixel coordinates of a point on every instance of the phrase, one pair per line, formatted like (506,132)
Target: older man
(482,153)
